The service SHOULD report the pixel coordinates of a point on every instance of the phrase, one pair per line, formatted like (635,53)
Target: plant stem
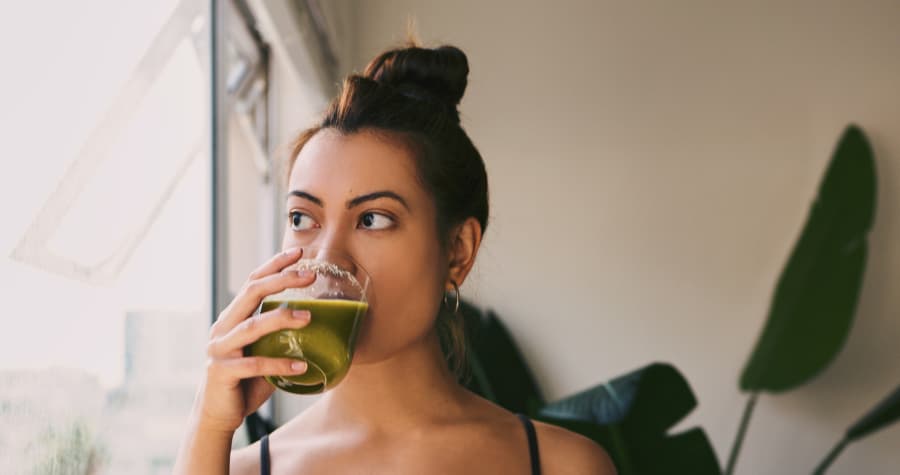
(742,430)
(830,457)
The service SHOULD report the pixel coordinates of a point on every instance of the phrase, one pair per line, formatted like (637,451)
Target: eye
(375,221)
(300,221)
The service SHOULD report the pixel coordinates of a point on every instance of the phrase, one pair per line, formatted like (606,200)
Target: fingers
(277,263)
(253,328)
(232,371)
(233,330)
(252,294)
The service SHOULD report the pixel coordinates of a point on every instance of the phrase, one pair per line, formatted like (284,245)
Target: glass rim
(336,250)
(359,279)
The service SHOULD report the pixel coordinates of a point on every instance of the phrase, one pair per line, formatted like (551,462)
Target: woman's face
(359,193)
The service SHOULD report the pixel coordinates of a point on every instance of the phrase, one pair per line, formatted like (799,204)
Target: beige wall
(651,166)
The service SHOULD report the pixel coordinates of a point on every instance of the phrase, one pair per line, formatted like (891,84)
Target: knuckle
(212,348)
(264,320)
(285,313)
(215,327)
(212,366)
(255,365)
(251,323)
(252,288)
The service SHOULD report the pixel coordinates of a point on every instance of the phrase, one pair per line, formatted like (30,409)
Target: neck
(407,390)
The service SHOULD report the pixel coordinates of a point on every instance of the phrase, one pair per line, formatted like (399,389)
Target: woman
(391,178)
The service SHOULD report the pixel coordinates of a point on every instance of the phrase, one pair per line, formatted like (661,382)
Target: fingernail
(303,314)
(298,366)
(292,251)
(305,273)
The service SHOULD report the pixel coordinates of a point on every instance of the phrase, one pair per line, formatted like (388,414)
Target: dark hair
(410,95)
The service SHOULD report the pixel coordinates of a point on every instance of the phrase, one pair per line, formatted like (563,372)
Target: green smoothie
(326,343)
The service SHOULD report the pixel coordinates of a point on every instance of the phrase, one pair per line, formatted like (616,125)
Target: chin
(370,348)
(368,351)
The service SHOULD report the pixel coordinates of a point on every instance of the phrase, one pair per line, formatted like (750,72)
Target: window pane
(105,259)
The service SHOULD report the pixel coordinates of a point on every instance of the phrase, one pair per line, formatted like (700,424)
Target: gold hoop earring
(456,292)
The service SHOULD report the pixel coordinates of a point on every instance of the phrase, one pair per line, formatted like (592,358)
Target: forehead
(335,163)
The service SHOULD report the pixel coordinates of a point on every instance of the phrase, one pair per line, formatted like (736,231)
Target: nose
(334,247)
(339,258)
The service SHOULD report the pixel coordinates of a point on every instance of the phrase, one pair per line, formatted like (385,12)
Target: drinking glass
(338,301)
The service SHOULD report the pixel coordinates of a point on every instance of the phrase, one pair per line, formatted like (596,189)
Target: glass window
(105,259)
(106,253)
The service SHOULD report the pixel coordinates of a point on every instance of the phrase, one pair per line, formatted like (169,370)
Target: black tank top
(265,468)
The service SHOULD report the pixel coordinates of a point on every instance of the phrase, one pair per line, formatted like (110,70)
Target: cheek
(407,286)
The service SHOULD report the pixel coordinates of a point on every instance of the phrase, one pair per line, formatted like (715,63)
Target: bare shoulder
(565,452)
(245,461)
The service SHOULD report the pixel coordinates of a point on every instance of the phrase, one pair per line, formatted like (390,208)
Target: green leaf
(631,416)
(884,414)
(499,371)
(816,296)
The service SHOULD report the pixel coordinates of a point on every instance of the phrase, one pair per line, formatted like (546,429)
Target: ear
(464,243)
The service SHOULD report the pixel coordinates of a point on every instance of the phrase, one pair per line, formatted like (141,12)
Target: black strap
(264,468)
(532,444)
(257,425)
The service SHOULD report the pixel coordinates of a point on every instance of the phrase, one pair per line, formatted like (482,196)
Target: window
(106,252)
(114,220)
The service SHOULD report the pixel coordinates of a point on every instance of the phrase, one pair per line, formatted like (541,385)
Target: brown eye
(375,221)
(300,221)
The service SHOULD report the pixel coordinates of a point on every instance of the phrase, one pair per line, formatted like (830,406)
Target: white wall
(650,167)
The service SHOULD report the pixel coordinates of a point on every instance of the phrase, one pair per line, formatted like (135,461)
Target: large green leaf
(498,369)
(816,296)
(631,417)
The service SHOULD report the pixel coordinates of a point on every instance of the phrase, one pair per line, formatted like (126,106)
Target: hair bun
(440,73)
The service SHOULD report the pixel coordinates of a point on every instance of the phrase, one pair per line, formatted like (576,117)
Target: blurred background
(651,165)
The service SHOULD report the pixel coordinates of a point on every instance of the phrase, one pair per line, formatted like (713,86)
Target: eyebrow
(355,201)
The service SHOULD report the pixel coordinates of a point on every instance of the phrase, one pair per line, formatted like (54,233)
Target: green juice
(326,343)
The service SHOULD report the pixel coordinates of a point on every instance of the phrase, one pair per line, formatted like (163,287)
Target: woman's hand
(233,387)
